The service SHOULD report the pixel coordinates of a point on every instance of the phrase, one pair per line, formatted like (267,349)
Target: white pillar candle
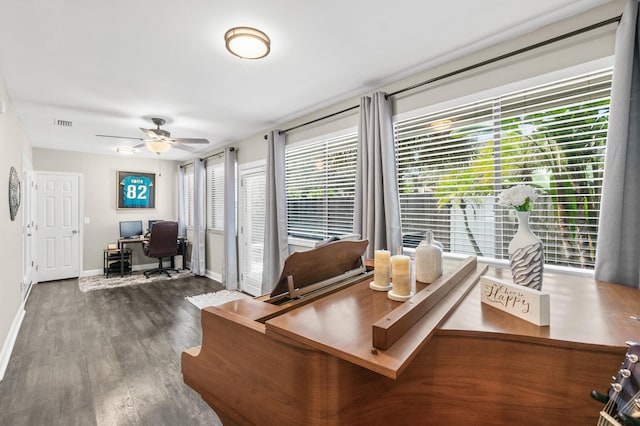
(381,266)
(400,275)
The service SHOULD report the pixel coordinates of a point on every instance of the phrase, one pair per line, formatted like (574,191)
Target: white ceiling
(109,65)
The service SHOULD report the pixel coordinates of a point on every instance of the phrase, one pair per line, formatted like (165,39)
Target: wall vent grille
(64,123)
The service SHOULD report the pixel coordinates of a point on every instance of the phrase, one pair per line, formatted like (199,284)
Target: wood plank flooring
(106,357)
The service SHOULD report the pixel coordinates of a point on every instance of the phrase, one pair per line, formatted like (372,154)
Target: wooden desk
(462,363)
(182,249)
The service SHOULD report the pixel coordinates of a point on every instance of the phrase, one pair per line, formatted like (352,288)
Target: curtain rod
(215,154)
(474,66)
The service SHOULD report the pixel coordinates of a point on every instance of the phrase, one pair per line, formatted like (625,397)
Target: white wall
(15,147)
(99,178)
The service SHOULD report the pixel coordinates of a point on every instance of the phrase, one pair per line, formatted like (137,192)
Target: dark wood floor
(106,357)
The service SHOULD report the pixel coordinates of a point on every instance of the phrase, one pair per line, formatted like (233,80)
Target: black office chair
(163,242)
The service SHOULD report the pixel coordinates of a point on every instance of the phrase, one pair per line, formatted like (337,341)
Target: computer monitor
(151,222)
(130,228)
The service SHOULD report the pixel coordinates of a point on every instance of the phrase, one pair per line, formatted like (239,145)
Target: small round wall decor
(14,193)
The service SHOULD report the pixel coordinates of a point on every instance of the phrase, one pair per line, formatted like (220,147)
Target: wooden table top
(583,310)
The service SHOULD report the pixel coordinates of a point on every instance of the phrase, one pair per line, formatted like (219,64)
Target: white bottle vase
(526,255)
(428,260)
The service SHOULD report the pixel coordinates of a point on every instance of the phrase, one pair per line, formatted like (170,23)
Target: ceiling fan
(160,140)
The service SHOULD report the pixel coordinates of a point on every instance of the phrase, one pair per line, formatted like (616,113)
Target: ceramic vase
(526,255)
(428,260)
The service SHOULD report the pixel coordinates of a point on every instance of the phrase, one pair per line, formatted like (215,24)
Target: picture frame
(135,190)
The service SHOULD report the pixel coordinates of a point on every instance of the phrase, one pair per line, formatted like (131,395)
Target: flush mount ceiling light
(247,43)
(158,146)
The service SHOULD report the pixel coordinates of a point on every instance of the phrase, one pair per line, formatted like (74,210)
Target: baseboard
(10,341)
(213,275)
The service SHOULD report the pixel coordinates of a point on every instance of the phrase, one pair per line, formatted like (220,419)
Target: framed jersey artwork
(135,190)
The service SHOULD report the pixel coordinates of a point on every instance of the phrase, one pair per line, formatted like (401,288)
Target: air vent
(64,123)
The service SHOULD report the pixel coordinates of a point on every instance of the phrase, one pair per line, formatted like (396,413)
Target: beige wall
(99,197)
(15,150)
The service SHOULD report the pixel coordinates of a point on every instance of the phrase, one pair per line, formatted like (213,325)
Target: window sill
(504,264)
(301,242)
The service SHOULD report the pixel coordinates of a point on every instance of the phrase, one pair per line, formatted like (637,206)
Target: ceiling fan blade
(119,137)
(190,140)
(150,132)
(156,133)
(183,147)
(139,146)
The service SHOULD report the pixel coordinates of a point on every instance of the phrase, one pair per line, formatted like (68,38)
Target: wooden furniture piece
(182,247)
(313,361)
(116,261)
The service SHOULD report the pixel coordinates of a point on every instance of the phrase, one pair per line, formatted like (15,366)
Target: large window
(453,164)
(215,196)
(320,181)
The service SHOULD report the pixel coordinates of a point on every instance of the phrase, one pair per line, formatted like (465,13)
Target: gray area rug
(216,298)
(99,282)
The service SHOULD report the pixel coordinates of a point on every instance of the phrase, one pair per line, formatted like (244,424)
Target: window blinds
(320,184)
(453,164)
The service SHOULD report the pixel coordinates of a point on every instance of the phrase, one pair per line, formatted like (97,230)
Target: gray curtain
(198,260)
(276,248)
(230,271)
(377,203)
(181,227)
(618,251)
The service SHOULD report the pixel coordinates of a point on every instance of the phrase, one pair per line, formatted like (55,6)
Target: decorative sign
(523,302)
(136,190)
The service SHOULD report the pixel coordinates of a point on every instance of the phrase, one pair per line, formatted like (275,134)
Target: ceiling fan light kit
(157,146)
(247,43)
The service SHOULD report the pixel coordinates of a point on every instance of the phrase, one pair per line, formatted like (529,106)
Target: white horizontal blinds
(215,196)
(564,156)
(188,195)
(320,182)
(452,164)
(253,193)
(432,152)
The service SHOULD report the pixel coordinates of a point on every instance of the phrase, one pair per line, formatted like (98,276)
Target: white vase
(428,260)
(526,255)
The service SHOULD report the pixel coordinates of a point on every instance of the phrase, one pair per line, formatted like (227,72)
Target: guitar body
(622,403)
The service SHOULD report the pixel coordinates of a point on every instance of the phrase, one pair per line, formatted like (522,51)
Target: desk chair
(163,242)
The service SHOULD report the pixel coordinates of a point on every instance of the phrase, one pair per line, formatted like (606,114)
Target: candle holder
(398,298)
(374,286)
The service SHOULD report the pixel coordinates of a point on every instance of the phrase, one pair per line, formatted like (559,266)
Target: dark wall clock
(14,193)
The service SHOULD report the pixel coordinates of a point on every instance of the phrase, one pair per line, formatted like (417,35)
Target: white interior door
(58,226)
(251,228)
(28,231)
